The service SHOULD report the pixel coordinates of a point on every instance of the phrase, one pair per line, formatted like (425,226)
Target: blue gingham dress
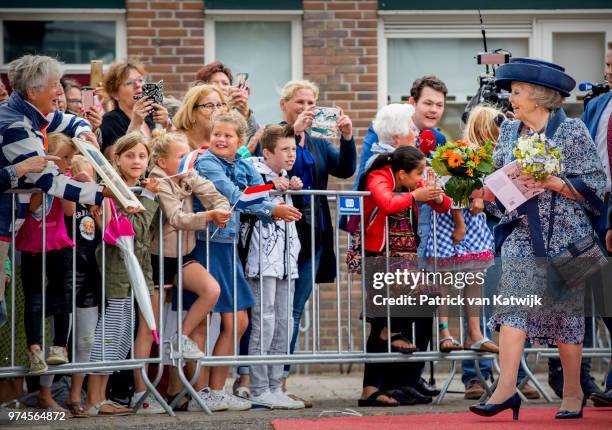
(475,251)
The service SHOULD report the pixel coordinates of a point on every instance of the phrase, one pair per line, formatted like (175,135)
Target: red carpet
(529,418)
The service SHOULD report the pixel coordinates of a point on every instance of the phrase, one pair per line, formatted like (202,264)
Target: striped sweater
(21,137)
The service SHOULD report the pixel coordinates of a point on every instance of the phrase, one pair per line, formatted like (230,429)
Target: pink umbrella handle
(155,337)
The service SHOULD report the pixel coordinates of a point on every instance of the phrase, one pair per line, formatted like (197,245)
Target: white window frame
(118,16)
(543,24)
(545,28)
(224,15)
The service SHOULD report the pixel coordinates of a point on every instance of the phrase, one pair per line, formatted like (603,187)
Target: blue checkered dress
(478,238)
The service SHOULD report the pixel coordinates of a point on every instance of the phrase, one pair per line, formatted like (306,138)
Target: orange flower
(446,154)
(483,153)
(476,159)
(460,143)
(455,160)
(470,172)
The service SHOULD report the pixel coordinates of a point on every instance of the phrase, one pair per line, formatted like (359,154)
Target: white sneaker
(149,406)
(266,398)
(232,402)
(190,349)
(204,394)
(285,402)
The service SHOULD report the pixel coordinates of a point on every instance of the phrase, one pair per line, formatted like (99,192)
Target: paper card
(109,175)
(507,189)
(325,123)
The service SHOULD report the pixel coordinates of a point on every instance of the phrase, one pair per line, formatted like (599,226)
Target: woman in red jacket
(396,183)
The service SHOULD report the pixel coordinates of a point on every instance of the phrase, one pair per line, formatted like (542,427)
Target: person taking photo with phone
(123,83)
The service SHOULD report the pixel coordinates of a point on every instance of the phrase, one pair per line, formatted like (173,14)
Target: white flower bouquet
(538,156)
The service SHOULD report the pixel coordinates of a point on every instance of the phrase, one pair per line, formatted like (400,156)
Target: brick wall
(168,36)
(340,54)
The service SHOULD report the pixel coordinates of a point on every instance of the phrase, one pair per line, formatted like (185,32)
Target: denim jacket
(230,179)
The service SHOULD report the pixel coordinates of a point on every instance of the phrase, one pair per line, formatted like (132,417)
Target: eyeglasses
(211,107)
(131,82)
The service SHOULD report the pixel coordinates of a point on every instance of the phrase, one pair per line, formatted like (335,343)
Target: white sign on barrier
(348,205)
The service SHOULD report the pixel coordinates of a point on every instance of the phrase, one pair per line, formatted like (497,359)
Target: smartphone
(96,74)
(242,83)
(325,122)
(431,178)
(241,80)
(87,94)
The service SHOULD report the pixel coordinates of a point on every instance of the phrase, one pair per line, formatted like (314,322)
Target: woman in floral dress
(538,89)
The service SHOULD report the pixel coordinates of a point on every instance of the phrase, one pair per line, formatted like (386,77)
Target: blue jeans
(303,289)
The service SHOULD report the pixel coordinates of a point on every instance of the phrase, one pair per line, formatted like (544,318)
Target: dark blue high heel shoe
(568,415)
(490,409)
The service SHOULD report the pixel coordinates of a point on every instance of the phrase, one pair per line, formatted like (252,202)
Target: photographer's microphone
(427,141)
(585,86)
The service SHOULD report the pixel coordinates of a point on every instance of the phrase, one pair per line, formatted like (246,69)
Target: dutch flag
(188,161)
(253,195)
(250,196)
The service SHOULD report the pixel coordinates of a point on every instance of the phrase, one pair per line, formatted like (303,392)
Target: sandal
(116,409)
(76,410)
(372,400)
(455,345)
(403,349)
(483,345)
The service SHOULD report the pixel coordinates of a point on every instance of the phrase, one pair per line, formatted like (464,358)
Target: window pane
(73,42)
(452,60)
(582,55)
(263,50)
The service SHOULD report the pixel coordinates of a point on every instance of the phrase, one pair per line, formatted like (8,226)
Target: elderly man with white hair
(394,127)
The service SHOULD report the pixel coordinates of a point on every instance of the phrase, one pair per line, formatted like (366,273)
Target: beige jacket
(175,201)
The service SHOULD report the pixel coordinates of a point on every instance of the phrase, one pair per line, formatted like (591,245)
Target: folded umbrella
(120,233)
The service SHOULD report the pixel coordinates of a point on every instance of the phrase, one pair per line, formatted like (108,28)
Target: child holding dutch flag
(235,178)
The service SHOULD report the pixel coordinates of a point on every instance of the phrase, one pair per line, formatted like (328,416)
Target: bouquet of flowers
(538,156)
(466,164)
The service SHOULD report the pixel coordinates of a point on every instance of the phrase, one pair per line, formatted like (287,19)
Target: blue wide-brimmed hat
(533,71)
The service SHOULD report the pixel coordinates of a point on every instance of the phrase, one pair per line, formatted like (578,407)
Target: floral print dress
(559,319)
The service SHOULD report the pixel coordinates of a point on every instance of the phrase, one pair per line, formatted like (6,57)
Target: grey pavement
(332,394)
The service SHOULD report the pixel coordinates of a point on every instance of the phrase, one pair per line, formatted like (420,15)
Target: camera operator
(598,119)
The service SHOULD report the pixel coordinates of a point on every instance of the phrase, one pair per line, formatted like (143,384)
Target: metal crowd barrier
(346,350)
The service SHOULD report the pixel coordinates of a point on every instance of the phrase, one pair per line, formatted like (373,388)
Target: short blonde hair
(482,125)
(78,164)
(160,145)
(546,97)
(184,119)
(235,119)
(57,141)
(292,87)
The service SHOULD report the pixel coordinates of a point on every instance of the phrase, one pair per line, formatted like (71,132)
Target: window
(452,60)
(73,42)
(277,40)
(70,36)
(578,45)
(415,43)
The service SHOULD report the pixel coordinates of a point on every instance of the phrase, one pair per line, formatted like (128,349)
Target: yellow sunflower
(470,172)
(455,160)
